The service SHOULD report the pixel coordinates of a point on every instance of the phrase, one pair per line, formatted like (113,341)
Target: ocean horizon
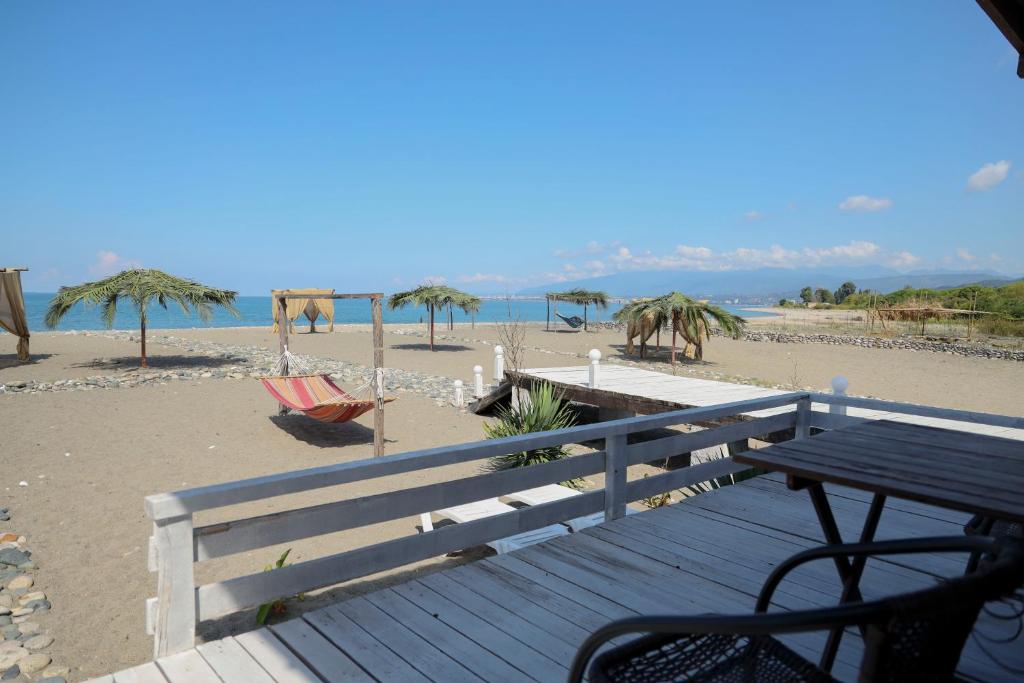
(255,311)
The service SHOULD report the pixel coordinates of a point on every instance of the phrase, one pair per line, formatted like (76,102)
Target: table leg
(852,582)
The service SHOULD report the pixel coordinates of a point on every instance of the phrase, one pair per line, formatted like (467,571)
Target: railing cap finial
(840,384)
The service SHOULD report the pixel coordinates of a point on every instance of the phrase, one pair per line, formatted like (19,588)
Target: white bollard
(478,381)
(839,386)
(595,368)
(458,395)
(499,364)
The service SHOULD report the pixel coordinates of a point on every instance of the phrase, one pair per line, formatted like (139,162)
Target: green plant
(276,606)
(141,286)
(658,500)
(543,412)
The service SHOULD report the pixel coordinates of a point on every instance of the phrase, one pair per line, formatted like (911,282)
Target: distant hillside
(762,283)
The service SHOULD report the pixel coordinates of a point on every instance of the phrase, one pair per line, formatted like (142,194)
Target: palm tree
(689,318)
(434,297)
(141,286)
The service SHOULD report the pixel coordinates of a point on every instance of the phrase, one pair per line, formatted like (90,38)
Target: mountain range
(765,284)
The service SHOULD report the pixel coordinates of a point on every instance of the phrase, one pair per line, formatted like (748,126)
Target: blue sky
(370,146)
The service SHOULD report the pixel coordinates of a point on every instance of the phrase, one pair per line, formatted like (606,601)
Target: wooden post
(585,318)
(547,325)
(614,477)
(175,627)
(839,386)
(802,429)
(499,364)
(282,341)
(378,376)
(478,381)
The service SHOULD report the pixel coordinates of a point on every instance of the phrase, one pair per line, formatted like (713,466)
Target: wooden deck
(522,616)
(636,390)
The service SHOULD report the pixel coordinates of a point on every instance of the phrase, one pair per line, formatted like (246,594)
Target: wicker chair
(913,637)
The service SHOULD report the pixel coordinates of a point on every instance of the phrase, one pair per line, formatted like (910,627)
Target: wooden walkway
(633,389)
(522,616)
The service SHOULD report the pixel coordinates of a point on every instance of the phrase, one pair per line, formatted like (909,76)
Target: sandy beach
(104,450)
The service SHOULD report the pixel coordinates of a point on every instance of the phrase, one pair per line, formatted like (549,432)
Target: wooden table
(982,475)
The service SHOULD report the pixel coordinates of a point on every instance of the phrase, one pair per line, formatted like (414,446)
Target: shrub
(543,412)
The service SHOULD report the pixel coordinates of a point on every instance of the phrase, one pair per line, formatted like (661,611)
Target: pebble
(5,620)
(28,628)
(11,632)
(35,662)
(39,642)
(52,679)
(29,597)
(21,611)
(13,557)
(12,657)
(56,671)
(6,600)
(20,581)
(10,645)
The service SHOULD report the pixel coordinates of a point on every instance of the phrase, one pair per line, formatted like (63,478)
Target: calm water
(256,311)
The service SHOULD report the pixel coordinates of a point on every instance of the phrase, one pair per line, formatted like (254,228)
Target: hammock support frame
(378,352)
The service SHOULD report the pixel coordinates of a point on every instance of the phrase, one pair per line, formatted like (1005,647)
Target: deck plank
(445,638)
(513,622)
(484,633)
(361,646)
(405,643)
(187,667)
(232,662)
(144,673)
(275,657)
(317,652)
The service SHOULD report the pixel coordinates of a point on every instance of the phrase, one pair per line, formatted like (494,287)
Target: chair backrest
(927,630)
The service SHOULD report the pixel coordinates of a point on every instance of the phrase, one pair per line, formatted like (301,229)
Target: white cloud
(483,277)
(688,257)
(988,176)
(109,262)
(595,247)
(565,253)
(903,259)
(965,255)
(753,215)
(862,202)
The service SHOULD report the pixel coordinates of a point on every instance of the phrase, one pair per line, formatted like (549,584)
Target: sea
(255,311)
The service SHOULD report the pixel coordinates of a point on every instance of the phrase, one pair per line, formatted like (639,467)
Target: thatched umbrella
(580,297)
(434,297)
(689,318)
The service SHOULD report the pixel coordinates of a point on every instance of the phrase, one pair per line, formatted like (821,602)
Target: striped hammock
(318,397)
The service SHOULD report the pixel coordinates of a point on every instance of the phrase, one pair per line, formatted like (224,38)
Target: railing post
(459,395)
(839,386)
(614,477)
(175,627)
(499,364)
(802,429)
(595,368)
(478,381)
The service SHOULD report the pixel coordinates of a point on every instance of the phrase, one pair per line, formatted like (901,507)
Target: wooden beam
(378,374)
(163,505)
(282,341)
(371,295)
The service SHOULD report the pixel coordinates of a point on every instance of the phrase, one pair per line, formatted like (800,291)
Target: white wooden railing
(177,544)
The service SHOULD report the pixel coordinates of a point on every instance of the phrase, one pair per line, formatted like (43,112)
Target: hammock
(574,322)
(316,395)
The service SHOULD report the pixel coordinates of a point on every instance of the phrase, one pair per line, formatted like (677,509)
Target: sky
(495,146)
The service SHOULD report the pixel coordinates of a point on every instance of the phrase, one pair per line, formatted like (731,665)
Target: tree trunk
(584,317)
(142,325)
(431,308)
(673,338)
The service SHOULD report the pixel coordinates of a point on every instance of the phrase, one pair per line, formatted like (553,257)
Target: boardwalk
(522,616)
(642,391)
